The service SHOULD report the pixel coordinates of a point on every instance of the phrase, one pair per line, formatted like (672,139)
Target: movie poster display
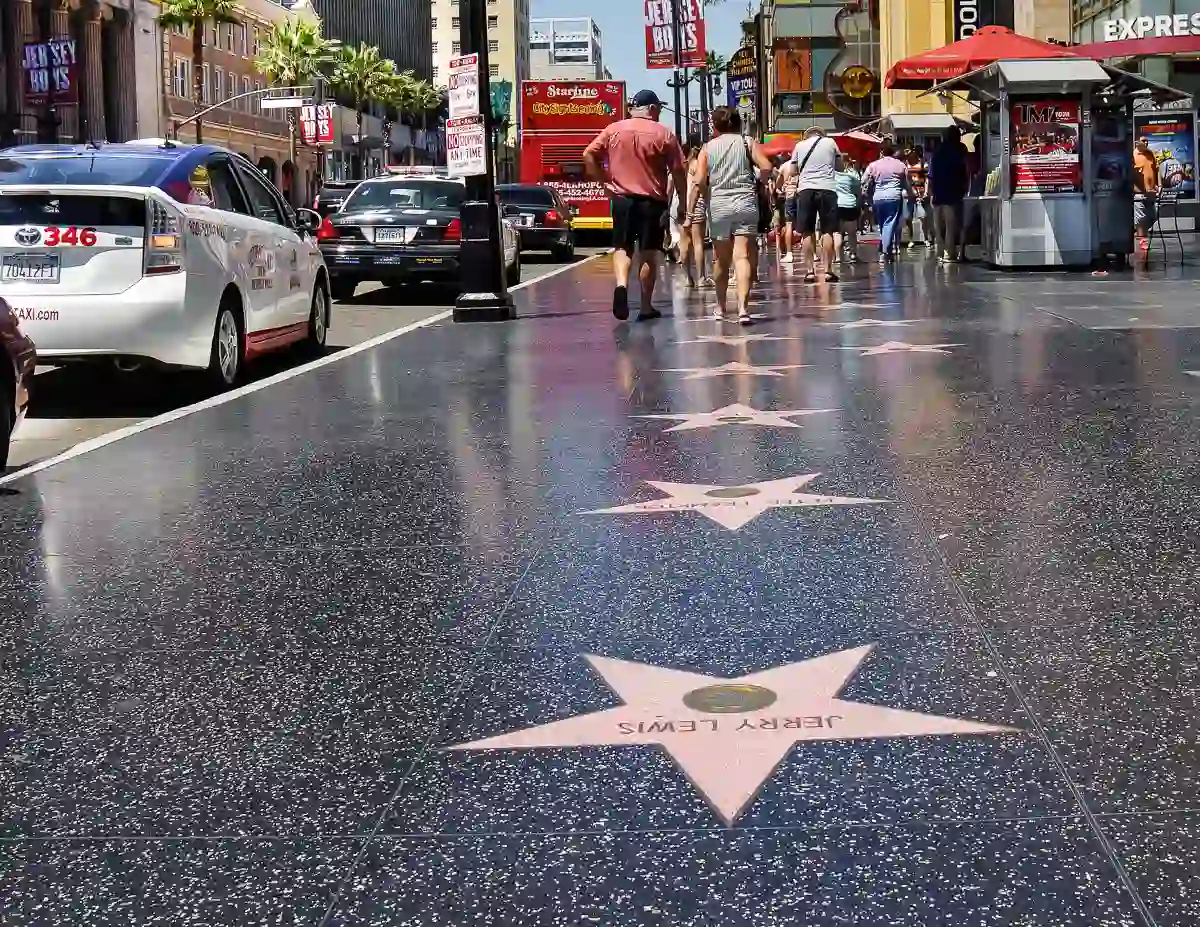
(1045,147)
(1172,138)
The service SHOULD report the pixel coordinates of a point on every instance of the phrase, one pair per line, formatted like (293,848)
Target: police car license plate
(397,236)
(36,268)
(527,219)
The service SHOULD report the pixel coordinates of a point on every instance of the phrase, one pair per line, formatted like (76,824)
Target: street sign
(466,146)
(463,86)
(283,102)
(316,124)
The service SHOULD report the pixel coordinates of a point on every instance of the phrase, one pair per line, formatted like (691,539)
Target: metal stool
(1167,205)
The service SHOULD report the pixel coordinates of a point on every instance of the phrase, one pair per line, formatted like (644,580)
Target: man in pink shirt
(643,159)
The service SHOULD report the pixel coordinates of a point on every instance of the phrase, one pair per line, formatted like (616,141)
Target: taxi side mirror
(307,220)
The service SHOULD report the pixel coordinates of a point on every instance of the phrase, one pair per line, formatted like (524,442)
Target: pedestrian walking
(849,200)
(786,183)
(642,157)
(887,187)
(729,169)
(916,208)
(695,222)
(1145,193)
(949,180)
(813,162)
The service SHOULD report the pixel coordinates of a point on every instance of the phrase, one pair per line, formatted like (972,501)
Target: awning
(1149,47)
(919,122)
(1054,77)
(989,44)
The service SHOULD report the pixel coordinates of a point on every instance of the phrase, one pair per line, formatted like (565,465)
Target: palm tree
(425,98)
(291,54)
(396,93)
(195,15)
(362,75)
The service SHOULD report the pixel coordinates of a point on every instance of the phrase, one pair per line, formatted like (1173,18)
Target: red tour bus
(559,118)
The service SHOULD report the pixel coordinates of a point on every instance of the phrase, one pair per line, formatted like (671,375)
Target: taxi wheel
(318,320)
(228,350)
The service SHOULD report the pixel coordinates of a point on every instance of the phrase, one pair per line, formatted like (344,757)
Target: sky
(623,36)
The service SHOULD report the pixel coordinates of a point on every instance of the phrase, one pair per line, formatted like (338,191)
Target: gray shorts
(1145,212)
(727,222)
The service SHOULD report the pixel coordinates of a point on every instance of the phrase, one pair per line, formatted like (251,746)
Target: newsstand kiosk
(1056,155)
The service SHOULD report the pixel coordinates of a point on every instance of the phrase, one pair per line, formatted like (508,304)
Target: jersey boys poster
(1045,147)
(660,48)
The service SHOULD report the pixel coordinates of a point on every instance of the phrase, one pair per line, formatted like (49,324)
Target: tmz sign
(660,34)
(1143,27)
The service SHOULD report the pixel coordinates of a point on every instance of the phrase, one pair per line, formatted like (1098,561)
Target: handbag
(761,196)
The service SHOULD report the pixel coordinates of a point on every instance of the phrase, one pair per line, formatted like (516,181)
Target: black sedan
(542,217)
(331,196)
(402,230)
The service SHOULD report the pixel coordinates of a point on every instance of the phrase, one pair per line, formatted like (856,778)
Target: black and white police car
(404,227)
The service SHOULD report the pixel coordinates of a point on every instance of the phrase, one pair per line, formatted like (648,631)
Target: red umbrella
(861,146)
(987,46)
(780,145)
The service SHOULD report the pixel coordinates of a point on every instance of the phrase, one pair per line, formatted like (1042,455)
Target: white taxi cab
(167,254)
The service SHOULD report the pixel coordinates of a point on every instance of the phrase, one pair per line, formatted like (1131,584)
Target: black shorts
(849,214)
(814,204)
(638,223)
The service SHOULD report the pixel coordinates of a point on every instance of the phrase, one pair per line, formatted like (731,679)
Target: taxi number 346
(69,236)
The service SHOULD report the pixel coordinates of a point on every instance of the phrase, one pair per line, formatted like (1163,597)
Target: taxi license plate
(396,236)
(34,268)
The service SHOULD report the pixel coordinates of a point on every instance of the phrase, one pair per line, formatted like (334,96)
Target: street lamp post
(484,296)
(677,60)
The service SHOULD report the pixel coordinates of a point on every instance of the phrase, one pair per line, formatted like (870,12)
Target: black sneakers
(621,302)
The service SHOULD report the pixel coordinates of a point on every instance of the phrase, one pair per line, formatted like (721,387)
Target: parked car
(17,360)
(400,229)
(183,256)
(543,218)
(331,196)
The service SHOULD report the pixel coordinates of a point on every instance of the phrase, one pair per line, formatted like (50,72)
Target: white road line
(112,437)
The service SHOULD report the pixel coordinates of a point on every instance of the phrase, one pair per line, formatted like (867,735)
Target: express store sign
(1144,27)
(549,105)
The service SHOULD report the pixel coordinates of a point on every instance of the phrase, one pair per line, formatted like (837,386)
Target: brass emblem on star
(729,698)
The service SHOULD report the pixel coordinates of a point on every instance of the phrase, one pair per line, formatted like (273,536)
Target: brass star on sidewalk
(869,323)
(735,340)
(736,414)
(732,369)
(899,347)
(728,735)
(733,507)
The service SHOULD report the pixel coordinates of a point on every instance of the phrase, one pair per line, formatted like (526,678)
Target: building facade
(243,125)
(74,70)
(823,63)
(508,60)
(566,49)
(400,28)
(1159,38)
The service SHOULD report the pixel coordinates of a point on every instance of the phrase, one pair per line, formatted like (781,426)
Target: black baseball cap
(645,98)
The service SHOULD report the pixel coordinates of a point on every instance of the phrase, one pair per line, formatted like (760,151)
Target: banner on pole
(660,48)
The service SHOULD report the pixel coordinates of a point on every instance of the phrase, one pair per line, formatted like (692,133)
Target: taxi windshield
(407,194)
(78,169)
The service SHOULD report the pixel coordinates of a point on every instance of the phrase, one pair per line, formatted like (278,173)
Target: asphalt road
(71,405)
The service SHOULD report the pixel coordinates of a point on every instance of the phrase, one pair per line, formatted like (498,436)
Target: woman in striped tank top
(729,170)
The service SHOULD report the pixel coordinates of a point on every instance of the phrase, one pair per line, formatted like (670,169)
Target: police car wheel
(228,350)
(512,275)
